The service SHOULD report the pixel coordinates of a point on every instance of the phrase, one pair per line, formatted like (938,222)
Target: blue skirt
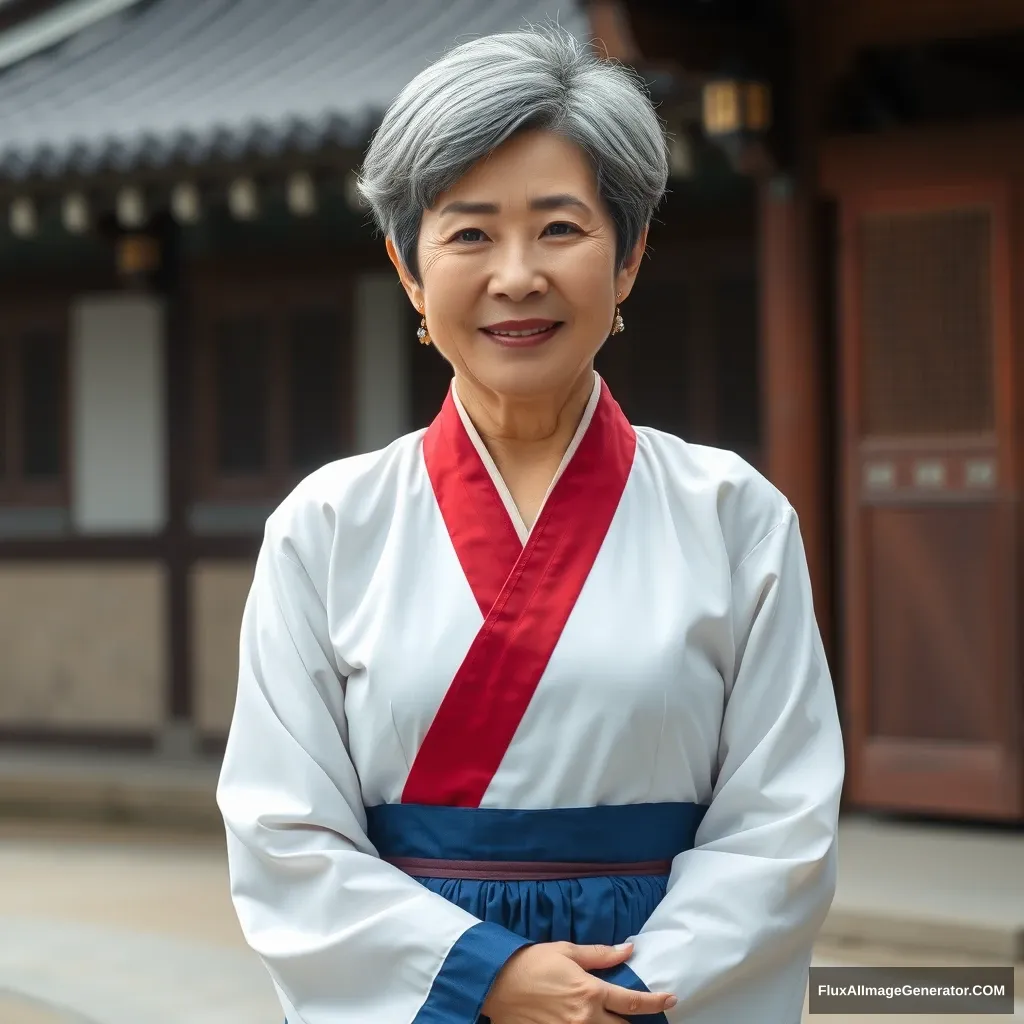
(600,909)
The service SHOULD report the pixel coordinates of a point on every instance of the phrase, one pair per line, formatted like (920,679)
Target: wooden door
(931,567)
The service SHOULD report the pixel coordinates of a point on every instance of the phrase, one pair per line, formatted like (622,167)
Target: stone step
(930,887)
(109,788)
(913,930)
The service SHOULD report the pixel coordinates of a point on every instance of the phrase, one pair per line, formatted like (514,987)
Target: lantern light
(185,203)
(737,109)
(23,218)
(137,255)
(75,213)
(301,192)
(131,208)
(243,200)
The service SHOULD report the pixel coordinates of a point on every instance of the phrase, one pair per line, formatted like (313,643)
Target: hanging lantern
(137,256)
(737,110)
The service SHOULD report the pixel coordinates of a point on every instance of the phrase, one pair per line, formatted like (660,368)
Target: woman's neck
(526,430)
(526,438)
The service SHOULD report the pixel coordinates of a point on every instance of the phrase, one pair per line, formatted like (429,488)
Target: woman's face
(522,243)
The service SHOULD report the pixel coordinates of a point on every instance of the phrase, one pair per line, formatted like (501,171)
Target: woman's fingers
(626,1002)
(593,958)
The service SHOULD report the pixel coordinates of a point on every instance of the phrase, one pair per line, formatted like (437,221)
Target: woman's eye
(562,228)
(469,235)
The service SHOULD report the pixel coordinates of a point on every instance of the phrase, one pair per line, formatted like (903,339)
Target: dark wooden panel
(931,777)
(687,362)
(646,366)
(738,370)
(246,335)
(914,159)
(34,404)
(937,578)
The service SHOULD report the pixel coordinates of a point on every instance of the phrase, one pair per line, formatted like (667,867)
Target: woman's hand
(549,984)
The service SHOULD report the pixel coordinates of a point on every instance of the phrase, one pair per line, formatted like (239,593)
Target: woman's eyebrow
(558,202)
(461,206)
(555,202)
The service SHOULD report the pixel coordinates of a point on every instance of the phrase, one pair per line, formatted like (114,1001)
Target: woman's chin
(523,378)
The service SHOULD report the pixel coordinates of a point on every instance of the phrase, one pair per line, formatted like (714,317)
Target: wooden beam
(848,27)
(932,156)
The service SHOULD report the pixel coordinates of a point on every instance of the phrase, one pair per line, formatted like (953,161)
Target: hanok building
(193,313)
(889,246)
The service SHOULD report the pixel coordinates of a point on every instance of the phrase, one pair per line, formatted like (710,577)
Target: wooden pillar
(796,390)
(178,737)
(793,386)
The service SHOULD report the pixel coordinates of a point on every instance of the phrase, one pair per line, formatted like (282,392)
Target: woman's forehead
(535,169)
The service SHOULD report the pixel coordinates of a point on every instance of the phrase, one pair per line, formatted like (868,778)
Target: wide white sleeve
(346,937)
(732,938)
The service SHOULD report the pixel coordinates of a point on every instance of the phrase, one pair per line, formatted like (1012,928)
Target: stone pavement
(110,926)
(15,1009)
(117,925)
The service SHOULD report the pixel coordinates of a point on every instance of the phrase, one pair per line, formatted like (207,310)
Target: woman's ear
(409,283)
(627,275)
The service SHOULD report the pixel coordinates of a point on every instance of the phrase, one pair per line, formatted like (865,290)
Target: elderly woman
(533,717)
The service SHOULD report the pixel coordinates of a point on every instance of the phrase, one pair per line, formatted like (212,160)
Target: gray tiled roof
(195,80)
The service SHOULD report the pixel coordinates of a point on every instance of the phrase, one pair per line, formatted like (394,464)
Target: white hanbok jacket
(637,680)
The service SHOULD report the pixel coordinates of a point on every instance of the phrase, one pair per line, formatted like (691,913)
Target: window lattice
(927,323)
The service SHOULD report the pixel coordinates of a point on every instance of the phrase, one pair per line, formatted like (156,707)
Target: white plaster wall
(382,343)
(117,390)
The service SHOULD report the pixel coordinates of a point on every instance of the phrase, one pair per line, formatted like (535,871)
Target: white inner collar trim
(522,530)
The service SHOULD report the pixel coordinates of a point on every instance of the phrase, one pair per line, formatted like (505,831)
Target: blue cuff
(625,977)
(467,974)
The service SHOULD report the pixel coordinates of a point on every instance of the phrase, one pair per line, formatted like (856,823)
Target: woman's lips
(522,333)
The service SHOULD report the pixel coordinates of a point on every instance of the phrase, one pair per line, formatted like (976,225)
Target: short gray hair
(480,94)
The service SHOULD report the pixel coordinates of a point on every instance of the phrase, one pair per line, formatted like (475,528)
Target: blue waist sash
(606,882)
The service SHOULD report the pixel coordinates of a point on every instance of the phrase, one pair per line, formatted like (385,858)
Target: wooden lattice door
(931,569)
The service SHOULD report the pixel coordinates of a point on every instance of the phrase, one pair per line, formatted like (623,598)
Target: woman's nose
(516,275)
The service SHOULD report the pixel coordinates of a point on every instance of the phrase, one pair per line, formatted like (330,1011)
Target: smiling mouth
(521,334)
(522,337)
